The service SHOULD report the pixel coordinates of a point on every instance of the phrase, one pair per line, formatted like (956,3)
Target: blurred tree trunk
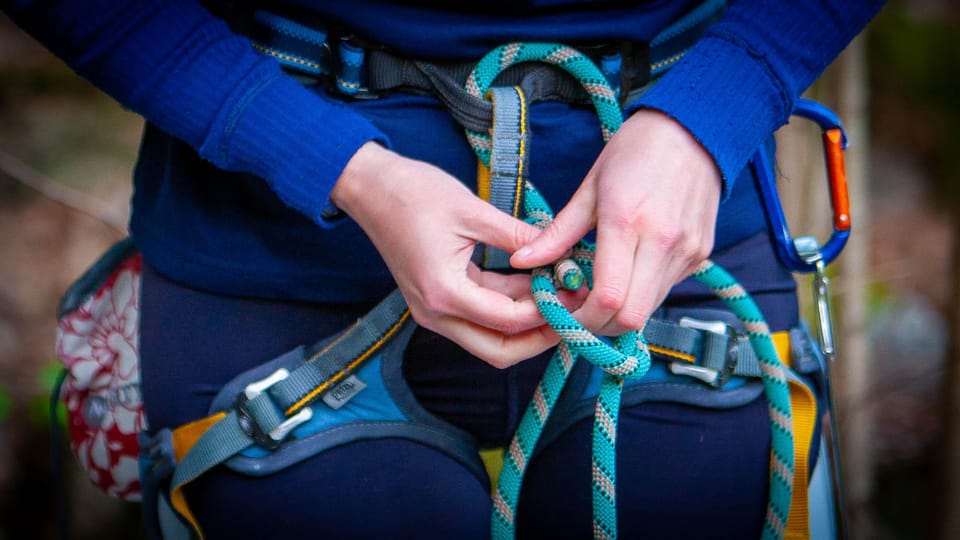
(806,200)
(853,364)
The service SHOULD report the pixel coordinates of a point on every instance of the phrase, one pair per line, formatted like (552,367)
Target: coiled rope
(627,357)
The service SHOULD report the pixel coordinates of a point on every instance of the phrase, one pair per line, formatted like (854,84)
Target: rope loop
(556,54)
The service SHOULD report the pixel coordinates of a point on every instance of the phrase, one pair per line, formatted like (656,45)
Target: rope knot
(628,368)
(626,358)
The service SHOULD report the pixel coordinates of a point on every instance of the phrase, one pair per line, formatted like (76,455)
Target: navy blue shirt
(239,159)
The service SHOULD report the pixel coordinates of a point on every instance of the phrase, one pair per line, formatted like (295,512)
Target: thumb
(499,229)
(567,228)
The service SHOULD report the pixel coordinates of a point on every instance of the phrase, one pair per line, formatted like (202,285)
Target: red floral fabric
(98,343)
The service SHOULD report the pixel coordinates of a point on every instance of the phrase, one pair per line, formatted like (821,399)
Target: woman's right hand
(425,224)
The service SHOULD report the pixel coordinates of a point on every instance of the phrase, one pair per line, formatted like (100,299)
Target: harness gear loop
(628,356)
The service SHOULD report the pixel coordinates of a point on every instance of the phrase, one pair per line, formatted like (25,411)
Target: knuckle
(498,360)
(628,221)
(609,298)
(520,236)
(694,249)
(688,248)
(523,234)
(633,320)
(433,302)
(556,230)
(497,355)
(670,238)
(703,250)
(508,327)
(422,317)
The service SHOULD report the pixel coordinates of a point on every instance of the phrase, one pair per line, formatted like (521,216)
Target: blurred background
(66,154)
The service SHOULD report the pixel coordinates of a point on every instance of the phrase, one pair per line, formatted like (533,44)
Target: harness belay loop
(627,356)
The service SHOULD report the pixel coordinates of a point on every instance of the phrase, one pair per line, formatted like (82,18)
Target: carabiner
(834,143)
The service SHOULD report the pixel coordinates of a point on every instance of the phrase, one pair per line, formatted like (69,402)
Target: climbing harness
(272,408)
(357,69)
(350,387)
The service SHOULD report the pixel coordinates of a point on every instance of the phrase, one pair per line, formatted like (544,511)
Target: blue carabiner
(834,143)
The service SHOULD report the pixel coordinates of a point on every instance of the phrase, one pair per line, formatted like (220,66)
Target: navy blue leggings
(683,471)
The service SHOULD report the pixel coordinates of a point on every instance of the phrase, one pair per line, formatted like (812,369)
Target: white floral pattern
(98,343)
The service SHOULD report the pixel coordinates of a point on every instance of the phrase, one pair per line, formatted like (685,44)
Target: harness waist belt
(360,69)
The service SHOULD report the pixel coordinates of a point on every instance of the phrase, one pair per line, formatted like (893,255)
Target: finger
(463,298)
(569,226)
(572,300)
(485,223)
(515,286)
(614,264)
(497,349)
(650,282)
(495,310)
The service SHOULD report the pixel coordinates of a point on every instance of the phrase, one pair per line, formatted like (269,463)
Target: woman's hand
(652,195)
(425,224)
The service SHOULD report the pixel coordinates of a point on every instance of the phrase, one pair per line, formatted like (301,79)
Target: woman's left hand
(652,195)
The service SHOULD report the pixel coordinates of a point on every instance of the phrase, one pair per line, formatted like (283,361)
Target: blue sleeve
(185,71)
(738,84)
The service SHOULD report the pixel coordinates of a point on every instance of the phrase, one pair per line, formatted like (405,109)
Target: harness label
(344,392)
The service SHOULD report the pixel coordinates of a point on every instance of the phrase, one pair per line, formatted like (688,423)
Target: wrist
(354,181)
(676,138)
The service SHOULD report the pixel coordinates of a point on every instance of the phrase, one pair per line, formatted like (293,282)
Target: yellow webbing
(483,181)
(804,409)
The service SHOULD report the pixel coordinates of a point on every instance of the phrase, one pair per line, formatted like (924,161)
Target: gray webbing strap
(538,82)
(222,441)
(712,350)
(508,161)
(446,80)
(323,363)
(256,417)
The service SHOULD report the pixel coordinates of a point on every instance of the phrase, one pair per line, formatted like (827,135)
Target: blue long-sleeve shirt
(209,94)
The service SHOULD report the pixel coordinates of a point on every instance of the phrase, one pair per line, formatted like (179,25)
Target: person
(271,213)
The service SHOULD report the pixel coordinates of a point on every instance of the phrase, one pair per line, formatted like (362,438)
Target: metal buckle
(710,376)
(274,438)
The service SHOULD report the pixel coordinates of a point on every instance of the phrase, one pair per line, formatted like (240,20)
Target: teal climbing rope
(627,357)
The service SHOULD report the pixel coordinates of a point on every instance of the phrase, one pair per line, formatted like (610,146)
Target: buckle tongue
(717,327)
(256,388)
(248,423)
(713,377)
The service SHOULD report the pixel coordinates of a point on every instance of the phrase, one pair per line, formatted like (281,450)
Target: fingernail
(525,251)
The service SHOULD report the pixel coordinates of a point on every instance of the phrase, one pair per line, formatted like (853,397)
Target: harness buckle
(351,75)
(272,439)
(713,376)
